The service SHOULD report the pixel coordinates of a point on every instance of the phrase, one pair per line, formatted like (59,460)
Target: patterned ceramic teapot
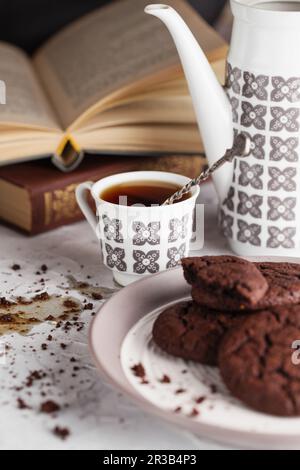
(259,200)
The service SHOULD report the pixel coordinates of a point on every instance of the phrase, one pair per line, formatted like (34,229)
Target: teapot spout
(212,107)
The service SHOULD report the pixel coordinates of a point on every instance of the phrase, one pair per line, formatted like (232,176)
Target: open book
(109,83)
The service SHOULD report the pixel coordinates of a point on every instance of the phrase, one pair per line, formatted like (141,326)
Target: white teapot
(259,200)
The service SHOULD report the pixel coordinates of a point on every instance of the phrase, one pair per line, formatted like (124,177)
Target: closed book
(37,197)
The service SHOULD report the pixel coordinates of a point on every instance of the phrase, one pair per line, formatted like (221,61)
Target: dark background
(28,23)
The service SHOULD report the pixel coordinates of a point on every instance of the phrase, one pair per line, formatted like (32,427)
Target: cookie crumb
(22,405)
(62,433)
(96,296)
(49,406)
(139,370)
(43,296)
(88,306)
(33,376)
(16,267)
(194,413)
(200,400)
(165,379)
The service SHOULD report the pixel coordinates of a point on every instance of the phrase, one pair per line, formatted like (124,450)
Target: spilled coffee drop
(88,290)
(21,315)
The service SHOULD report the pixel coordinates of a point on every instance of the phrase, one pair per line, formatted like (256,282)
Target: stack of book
(109,84)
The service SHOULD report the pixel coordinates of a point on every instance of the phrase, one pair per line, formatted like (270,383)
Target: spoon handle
(240,148)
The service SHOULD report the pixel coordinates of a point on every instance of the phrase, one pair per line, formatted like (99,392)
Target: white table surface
(97,416)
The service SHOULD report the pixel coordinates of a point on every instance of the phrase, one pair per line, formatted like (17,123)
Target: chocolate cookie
(284,284)
(257,363)
(191,332)
(224,282)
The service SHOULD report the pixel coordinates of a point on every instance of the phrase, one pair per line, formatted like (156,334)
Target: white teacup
(137,240)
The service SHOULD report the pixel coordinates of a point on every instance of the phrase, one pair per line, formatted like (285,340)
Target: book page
(108,50)
(26,103)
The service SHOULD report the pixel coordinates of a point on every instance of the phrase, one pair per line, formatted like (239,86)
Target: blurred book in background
(109,83)
(224,23)
(36,197)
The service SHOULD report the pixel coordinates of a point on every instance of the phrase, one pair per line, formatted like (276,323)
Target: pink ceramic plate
(120,338)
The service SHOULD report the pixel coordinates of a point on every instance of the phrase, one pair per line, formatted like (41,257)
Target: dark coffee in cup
(147,193)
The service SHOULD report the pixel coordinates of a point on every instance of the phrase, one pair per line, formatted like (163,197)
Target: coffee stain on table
(88,290)
(21,315)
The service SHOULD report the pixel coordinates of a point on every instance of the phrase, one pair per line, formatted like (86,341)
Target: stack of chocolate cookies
(244,318)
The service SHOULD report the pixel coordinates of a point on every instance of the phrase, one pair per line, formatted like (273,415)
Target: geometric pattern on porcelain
(262,208)
(143,250)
